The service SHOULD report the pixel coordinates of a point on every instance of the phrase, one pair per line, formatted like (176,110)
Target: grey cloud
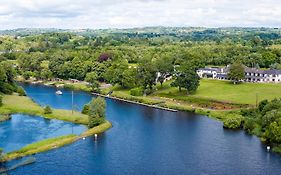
(138,13)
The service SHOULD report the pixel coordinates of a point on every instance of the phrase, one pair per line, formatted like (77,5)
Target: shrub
(137,92)
(273,132)
(95,121)
(262,104)
(249,125)
(1,154)
(233,121)
(86,109)
(47,110)
(252,113)
(7,88)
(148,91)
(21,91)
(1,100)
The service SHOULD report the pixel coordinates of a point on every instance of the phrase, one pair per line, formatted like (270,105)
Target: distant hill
(179,33)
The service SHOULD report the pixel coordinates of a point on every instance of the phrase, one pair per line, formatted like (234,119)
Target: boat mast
(72,101)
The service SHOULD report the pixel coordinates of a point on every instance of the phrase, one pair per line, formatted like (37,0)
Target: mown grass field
(224,91)
(20,104)
(211,94)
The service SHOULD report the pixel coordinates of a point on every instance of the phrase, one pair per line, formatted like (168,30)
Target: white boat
(59,92)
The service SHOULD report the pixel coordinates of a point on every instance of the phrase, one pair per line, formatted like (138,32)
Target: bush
(96,121)
(7,88)
(47,110)
(249,125)
(21,91)
(137,92)
(1,154)
(233,121)
(252,113)
(1,100)
(273,132)
(86,109)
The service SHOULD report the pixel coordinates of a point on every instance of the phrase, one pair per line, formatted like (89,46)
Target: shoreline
(174,106)
(54,143)
(219,115)
(134,102)
(13,104)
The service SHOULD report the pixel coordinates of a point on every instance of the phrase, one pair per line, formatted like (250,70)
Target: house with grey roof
(251,74)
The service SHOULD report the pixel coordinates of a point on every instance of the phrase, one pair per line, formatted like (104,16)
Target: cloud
(138,13)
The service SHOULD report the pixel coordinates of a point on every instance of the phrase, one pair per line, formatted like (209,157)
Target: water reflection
(26,129)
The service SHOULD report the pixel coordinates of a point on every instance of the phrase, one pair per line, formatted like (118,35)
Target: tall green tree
(186,77)
(115,73)
(164,67)
(147,73)
(92,78)
(236,72)
(96,111)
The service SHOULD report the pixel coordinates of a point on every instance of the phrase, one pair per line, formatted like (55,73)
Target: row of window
(260,75)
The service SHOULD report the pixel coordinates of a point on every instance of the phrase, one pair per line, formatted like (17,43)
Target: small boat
(59,92)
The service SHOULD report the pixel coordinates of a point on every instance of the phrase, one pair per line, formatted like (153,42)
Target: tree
(115,73)
(146,73)
(164,67)
(47,110)
(186,77)
(96,112)
(46,74)
(273,133)
(1,154)
(236,72)
(1,100)
(92,78)
(86,109)
(129,78)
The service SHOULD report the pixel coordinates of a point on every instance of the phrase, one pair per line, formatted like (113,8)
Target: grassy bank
(4,118)
(20,104)
(224,91)
(54,143)
(212,95)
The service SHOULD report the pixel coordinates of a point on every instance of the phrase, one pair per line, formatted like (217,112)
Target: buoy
(96,135)
(268,148)
(83,138)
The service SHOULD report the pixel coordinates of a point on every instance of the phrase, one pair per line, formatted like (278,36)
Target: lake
(144,140)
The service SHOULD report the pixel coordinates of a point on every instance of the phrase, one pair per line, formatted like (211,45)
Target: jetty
(134,102)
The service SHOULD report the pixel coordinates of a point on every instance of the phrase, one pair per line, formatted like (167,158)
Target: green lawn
(244,93)
(20,104)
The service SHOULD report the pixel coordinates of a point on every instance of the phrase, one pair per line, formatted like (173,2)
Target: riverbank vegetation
(54,143)
(265,122)
(4,118)
(21,104)
(95,111)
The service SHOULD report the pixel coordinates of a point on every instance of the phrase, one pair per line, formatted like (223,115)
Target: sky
(96,14)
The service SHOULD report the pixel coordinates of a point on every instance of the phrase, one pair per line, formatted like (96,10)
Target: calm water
(151,141)
(25,129)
